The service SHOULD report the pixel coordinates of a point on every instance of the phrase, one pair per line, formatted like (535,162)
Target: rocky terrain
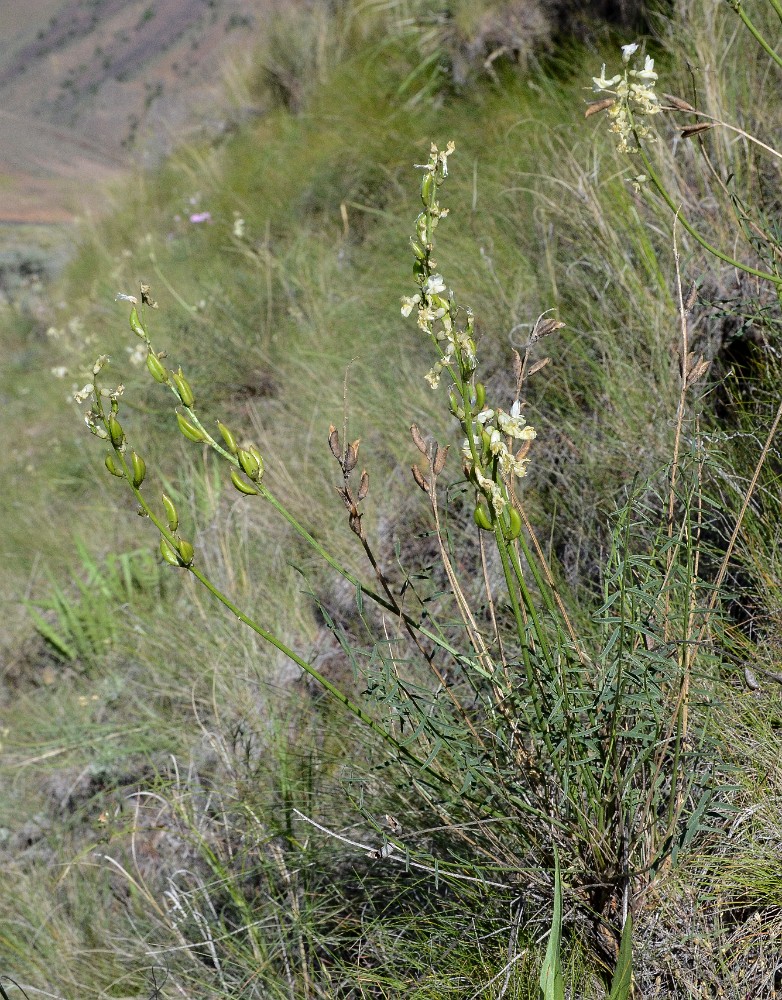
(89,88)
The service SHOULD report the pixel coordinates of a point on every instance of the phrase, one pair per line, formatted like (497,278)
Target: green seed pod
(168,553)
(427,187)
(241,485)
(418,250)
(513,528)
(419,271)
(481,518)
(480,396)
(139,469)
(171,513)
(248,462)
(111,465)
(190,431)
(183,388)
(485,441)
(185,552)
(230,440)
(156,370)
(116,432)
(257,456)
(135,324)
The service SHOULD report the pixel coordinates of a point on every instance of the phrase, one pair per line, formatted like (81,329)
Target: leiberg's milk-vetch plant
(526,733)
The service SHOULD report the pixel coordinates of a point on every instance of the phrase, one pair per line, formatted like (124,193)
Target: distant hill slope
(88,87)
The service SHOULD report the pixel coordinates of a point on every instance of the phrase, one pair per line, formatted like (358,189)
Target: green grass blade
(622,983)
(552,984)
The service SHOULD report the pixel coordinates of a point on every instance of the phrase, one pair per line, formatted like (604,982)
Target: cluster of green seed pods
(182,553)
(511,528)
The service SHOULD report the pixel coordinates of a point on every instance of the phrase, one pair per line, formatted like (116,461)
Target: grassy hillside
(160,763)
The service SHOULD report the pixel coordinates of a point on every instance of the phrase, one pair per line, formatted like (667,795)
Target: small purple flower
(201,217)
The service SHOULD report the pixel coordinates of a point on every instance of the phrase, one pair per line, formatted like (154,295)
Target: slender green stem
(755,32)
(532,681)
(652,173)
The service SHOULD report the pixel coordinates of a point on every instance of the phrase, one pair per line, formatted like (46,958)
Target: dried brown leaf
(692,297)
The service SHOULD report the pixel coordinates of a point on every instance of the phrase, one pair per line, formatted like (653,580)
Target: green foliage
(79,628)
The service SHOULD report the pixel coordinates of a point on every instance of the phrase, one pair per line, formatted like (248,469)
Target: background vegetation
(156,759)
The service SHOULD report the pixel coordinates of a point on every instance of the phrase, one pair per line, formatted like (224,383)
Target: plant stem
(775,278)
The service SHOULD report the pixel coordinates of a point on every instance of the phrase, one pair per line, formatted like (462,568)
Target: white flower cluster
(635,99)
(498,427)
(434,317)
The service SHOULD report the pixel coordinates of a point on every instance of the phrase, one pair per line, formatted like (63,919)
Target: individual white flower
(600,82)
(647,73)
(628,51)
(122,297)
(435,284)
(84,393)
(433,376)
(409,302)
(485,416)
(516,427)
